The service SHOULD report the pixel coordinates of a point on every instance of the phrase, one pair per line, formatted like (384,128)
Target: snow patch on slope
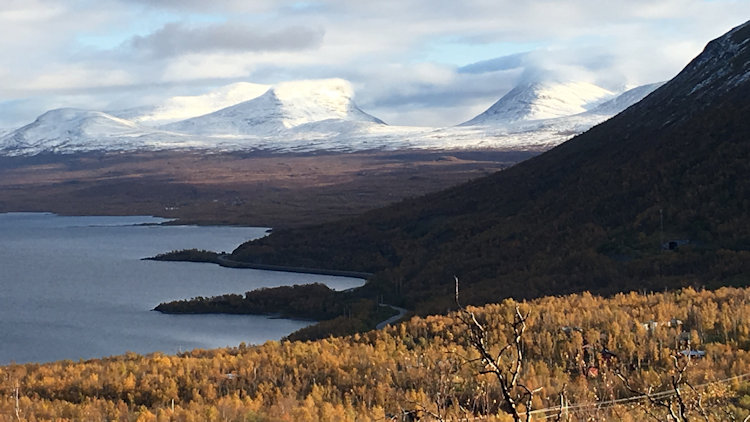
(719,59)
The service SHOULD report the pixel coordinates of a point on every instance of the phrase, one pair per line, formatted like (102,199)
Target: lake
(76,288)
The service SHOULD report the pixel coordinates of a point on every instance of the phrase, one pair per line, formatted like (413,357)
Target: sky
(411,62)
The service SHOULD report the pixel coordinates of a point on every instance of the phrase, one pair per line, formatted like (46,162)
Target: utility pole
(15,395)
(661,229)
(660,256)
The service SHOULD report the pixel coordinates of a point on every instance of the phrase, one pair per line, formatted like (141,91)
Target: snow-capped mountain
(307,116)
(518,131)
(73,130)
(183,107)
(67,126)
(282,107)
(533,101)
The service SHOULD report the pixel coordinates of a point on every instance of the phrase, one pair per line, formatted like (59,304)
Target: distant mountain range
(316,115)
(655,197)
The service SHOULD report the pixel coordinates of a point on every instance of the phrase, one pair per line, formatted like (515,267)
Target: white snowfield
(305,116)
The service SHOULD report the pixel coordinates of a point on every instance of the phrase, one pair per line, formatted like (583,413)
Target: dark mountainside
(591,214)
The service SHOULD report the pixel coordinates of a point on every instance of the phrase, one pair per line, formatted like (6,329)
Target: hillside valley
(653,198)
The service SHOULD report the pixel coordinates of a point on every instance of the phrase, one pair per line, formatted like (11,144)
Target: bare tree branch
(674,402)
(513,393)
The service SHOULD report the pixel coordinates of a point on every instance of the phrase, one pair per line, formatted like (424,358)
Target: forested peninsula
(339,313)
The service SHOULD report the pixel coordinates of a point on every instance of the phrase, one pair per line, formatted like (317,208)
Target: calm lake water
(76,287)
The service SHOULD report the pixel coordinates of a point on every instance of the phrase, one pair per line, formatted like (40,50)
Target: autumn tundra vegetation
(630,357)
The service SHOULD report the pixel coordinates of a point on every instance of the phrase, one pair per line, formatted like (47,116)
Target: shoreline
(222,260)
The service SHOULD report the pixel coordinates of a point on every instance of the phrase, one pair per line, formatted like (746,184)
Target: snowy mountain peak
(71,122)
(542,100)
(69,128)
(284,106)
(311,101)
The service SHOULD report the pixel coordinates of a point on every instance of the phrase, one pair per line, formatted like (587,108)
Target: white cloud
(175,39)
(212,66)
(28,12)
(72,78)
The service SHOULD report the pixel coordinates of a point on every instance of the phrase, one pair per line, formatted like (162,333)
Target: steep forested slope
(593,213)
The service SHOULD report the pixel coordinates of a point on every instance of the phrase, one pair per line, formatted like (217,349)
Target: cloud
(511,61)
(430,95)
(175,39)
(210,6)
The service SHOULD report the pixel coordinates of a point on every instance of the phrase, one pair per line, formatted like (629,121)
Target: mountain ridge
(333,123)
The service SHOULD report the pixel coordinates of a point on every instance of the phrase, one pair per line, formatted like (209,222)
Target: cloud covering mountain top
(283,106)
